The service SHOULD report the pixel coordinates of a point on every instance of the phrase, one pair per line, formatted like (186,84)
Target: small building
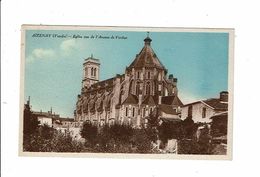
(64,123)
(164,113)
(54,120)
(202,111)
(44,120)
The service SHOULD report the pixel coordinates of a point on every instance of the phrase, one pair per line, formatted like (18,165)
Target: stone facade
(129,97)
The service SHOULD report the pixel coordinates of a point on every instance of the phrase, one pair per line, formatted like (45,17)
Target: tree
(89,132)
(141,140)
(170,130)
(189,128)
(30,122)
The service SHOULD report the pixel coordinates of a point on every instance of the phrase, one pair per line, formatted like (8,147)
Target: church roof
(149,100)
(171,100)
(131,99)
(146,57)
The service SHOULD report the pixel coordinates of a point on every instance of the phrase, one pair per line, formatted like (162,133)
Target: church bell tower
(91,68)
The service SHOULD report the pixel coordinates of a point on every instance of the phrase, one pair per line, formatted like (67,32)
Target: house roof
(167,109)
(45,114)
(164,119)
(216,104)
(220,115)
(131,99)
(146,57)
(171,100)
(213,103)
(64,119)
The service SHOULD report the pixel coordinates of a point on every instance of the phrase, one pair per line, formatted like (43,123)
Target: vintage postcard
(131,92)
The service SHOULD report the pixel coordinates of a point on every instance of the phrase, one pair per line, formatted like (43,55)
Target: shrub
(47,139)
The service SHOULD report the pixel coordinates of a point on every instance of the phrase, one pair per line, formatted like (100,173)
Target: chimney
(223,96)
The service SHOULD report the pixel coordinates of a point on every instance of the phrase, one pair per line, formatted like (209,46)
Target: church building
(131,97)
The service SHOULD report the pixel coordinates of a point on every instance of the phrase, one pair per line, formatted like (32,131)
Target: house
(130,97)
(202,111)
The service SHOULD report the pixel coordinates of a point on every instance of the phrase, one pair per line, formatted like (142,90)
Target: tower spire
(28,101)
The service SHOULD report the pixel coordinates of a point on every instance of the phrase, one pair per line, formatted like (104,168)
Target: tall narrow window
(159,77)
(137,89)
(138,75)
(126,111)
(148,89)
(148,75)
(204,112)
(133,112)
(86,72)
(144,112)
(151,110)
(91,71)
(190,111)
(95,71)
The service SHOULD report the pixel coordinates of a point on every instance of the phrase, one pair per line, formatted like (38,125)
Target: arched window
(159,77)
(92,72)
(126,111)
(133,112)
(95,71)
(137,89)
(86,72)
(148,88)
(151,110)
(138,75)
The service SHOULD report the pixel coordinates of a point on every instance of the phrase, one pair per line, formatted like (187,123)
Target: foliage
(170,130)
(89,132)
(118,138)
(189,128)
(30,122)
(219,126)
(196,145)
(141,141)
(47,139)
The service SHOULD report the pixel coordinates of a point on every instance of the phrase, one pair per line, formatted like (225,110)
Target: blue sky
(53,66)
